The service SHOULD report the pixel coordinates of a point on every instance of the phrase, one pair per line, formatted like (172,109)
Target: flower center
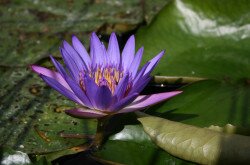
(108,76)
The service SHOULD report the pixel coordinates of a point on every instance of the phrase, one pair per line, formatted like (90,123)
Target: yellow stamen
(111,75)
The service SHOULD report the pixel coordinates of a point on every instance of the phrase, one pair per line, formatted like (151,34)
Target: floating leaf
(132,145)
(31,30)
(134,153)
(199,145)
(32,115)
(205,39)
(208,102)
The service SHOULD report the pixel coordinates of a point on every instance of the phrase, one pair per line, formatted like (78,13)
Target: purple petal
(140,73)
(85,113)
(103,98)
(96,51)
(136,62)
(128,53)
(73,85)
(154,62)
(113,50)
(70,64)
(52,74)
(81,50)
(140,85)
(59,67)
(105,55)
(91,90)
(75,56)
(121,87)
(148,100)
(61,89)
(79,92)
(124,102)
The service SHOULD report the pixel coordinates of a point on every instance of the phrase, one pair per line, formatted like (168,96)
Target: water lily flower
(106,82)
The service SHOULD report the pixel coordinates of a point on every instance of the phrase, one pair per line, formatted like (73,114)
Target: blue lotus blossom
(106,82)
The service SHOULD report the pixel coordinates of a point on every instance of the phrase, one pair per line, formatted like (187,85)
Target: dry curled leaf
(200,145)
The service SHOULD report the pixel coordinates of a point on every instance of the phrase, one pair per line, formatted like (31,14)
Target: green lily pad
(32,115)
(31,30)
(133,146)
(205,39)
(208,102)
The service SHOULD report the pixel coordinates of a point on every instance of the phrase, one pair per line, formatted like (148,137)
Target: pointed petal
(96,50)
(74,56)
(136,62)
(52,74)
(140,73)
(103,98)
(148,100)
(124,102)
(140,81)
(73,85)
(70,64)
(59,88)
(122,86)
(81,50)
(113,50)
(128,53)
(59,67)
(85,113)
(79,92)
(91,89)
(140,85)
(105,55)
(154,62)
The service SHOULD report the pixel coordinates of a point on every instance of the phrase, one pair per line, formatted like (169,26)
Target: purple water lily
(106,82)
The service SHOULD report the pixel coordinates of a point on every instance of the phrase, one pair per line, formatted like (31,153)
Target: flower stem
(100,133)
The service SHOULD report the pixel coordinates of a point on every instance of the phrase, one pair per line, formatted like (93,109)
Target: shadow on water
(156,155)
(76,159)
(1,154)
(246,107)
(170,114)
(233,106)
(240,100)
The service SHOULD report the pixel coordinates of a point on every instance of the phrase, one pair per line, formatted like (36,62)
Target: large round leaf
(208,39)
(203,39)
